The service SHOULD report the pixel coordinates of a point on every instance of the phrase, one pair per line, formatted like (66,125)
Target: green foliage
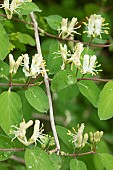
(107,160)
(10,111)
(4,43)
(54,21)
(90,90)
(36,158)
(4,70)
(105,107)
(5,142)
(77,165)
(66,78)
(37,98)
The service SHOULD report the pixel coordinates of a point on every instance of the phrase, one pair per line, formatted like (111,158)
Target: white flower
(64,54)
(36,65)
(75,58)
(37,134)
(89,64)
(11,8)
(20,132)
(78,138)
(96,25)
(68,28)
(14,65)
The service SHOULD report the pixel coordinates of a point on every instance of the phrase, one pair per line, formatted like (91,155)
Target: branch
(17,159)
(95,79)
(81,154)
(46,80)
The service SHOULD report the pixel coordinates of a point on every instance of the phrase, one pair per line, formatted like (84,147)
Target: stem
(46,80)
(12,149)
(81,154)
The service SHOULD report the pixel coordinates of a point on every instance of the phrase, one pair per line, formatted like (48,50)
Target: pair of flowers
(88,64)
(95,26)
(33,71)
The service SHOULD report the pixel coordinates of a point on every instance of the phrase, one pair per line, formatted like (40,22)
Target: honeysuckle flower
(96,26)
(36,65)
(75,58)
(68,28)
(14,65)
(10,8)
(89,64)
(78,138)
(37,134)
(64,54)
(20,132)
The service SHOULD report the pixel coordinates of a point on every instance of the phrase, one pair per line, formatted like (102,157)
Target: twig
(12,149)
(81,154)
(46,80)
(17,159)
(95,79)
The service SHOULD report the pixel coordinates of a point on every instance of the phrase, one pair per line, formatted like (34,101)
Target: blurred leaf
(62,80)
(10,111)
(90,90)
(54,21)
(27,7)
(5,143)
(54,62)
(77,165)
(105,106)
(62,133)
(36,158)
(4,43)
(91,8)
(107,160)
(37,98)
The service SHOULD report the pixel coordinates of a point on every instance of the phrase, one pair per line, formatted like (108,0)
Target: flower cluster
(86,64)
(20,132)
(11,8)
(33,71)
(96,26)
(36,65)
(78,138)
(68,28)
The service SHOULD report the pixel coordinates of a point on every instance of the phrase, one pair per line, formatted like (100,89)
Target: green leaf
(57,161)
(5,143)
(10,110)
(54,62)
(62,80)
(105,103)
(36,158)
(4,43)
(4,69)
(107,160)
(77,165)
(37,98)
(27,7)
(62,133)
(90,90)
(54,21)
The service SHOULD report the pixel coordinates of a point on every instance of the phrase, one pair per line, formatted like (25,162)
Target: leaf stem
(46,80)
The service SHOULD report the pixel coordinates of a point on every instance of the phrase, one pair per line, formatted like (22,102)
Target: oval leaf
(36,158)
(105,103)
(4,43)
(27,7)
(107,160)
(77,165)
(5,143)
(54,21)
(90,90)
(10,110)
(37,98)
(4,69)
(62,80)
